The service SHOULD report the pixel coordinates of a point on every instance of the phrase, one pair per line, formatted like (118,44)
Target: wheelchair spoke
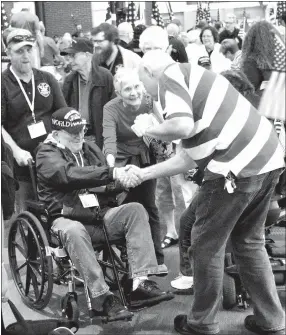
(34,269)
(28,281)
(24,238)
(21,249)
(21,266)
(35,284)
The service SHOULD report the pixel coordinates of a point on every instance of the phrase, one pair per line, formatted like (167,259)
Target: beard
(105,54)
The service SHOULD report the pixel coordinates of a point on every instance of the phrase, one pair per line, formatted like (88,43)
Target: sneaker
(114,310)
(182,282)
(251,325)
(163,270)
(148,294)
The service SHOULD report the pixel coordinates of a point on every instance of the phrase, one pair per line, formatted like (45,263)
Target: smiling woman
(122,146)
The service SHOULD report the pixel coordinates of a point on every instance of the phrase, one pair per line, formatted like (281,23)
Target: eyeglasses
(81,133)
(21,38)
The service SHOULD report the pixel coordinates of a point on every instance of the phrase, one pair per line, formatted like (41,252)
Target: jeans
(127,222)
(239,216)
(187,221)
(145,195)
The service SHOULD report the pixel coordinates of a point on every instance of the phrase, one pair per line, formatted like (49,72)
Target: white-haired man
(241,157)
(230,30)
(125,32)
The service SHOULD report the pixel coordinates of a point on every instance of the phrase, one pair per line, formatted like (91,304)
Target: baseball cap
(204,61)
(79,44)
(18,37)
(68,119)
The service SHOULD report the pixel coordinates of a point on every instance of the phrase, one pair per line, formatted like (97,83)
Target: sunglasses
(22,38)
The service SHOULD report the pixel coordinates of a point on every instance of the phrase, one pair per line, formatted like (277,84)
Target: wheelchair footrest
(106,319)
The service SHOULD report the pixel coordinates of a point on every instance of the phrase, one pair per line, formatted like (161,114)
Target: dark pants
(240,216)
(145,195)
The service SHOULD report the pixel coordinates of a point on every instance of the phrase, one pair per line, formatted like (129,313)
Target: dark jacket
(101,91)
(232,35)
(60,179)
(178,53)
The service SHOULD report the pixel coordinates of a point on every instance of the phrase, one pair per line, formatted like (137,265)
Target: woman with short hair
(122,146)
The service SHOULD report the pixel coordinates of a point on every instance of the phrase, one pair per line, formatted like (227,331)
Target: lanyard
(31,104)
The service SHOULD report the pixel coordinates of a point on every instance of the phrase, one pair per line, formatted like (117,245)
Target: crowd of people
(116,120)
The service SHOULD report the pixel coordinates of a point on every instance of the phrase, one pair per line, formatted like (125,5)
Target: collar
(11,76)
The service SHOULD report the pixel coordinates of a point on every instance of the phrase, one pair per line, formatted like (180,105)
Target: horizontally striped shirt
(228,134)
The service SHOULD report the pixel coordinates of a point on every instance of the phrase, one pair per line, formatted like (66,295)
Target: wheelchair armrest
(36,205)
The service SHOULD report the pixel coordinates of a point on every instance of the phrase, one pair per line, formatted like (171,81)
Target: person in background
(258,54)
(178,51)
(170,191)
(122,146)
(134,44)
(56,38)
(88,87)
(28,99)
(78,31)
(125,32)
(65,41)
(178,23)
(239,81)
(230,50)
(107,52)
(230,30)
(51,54)
(211,48)
(194,47)
(218,26)
(29,21)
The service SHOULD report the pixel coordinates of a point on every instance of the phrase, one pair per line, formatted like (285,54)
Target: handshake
(142,123)
(129,175)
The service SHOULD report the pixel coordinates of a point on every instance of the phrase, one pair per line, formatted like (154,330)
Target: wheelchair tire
(229,292)
(71,310)
(30,260)
(228,260)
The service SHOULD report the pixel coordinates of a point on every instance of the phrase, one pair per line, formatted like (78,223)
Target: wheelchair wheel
(30,260)
(69,308)
(229,292)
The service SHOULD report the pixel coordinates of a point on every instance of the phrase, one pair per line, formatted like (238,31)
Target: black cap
(204,61)
(68,119)
(79,45)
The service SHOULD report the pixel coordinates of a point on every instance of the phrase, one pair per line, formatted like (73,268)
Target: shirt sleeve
(175,98)
(109,132)
(182,57)
(59,100)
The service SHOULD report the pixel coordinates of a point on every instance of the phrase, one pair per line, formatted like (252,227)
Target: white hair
(173,29)
(124,28)
(194,35)
(122,75)
(156,61)
(154,37)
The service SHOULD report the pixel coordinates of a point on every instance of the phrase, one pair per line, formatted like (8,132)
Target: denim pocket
(250,184)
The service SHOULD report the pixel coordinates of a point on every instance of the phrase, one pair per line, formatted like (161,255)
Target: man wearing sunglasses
(73,178)
(28,99)
(88,87)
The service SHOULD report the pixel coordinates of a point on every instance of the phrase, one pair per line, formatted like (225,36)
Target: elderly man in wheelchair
(79,191)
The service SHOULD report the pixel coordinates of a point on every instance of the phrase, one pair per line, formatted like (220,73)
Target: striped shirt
(228,133)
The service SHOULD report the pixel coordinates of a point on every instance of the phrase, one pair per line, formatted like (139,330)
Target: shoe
(182,327)
(168,241)
(148,294)
(182,282)
(114,310)
(163,270)
(251,325)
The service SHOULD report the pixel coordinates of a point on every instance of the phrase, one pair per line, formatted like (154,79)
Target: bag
(39,327)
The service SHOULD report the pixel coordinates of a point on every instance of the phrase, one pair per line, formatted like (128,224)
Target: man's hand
(141,123)
(22,157)
(128,176)
(110,160)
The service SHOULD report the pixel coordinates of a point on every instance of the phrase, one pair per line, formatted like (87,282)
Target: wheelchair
(234,293)
(32,249)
